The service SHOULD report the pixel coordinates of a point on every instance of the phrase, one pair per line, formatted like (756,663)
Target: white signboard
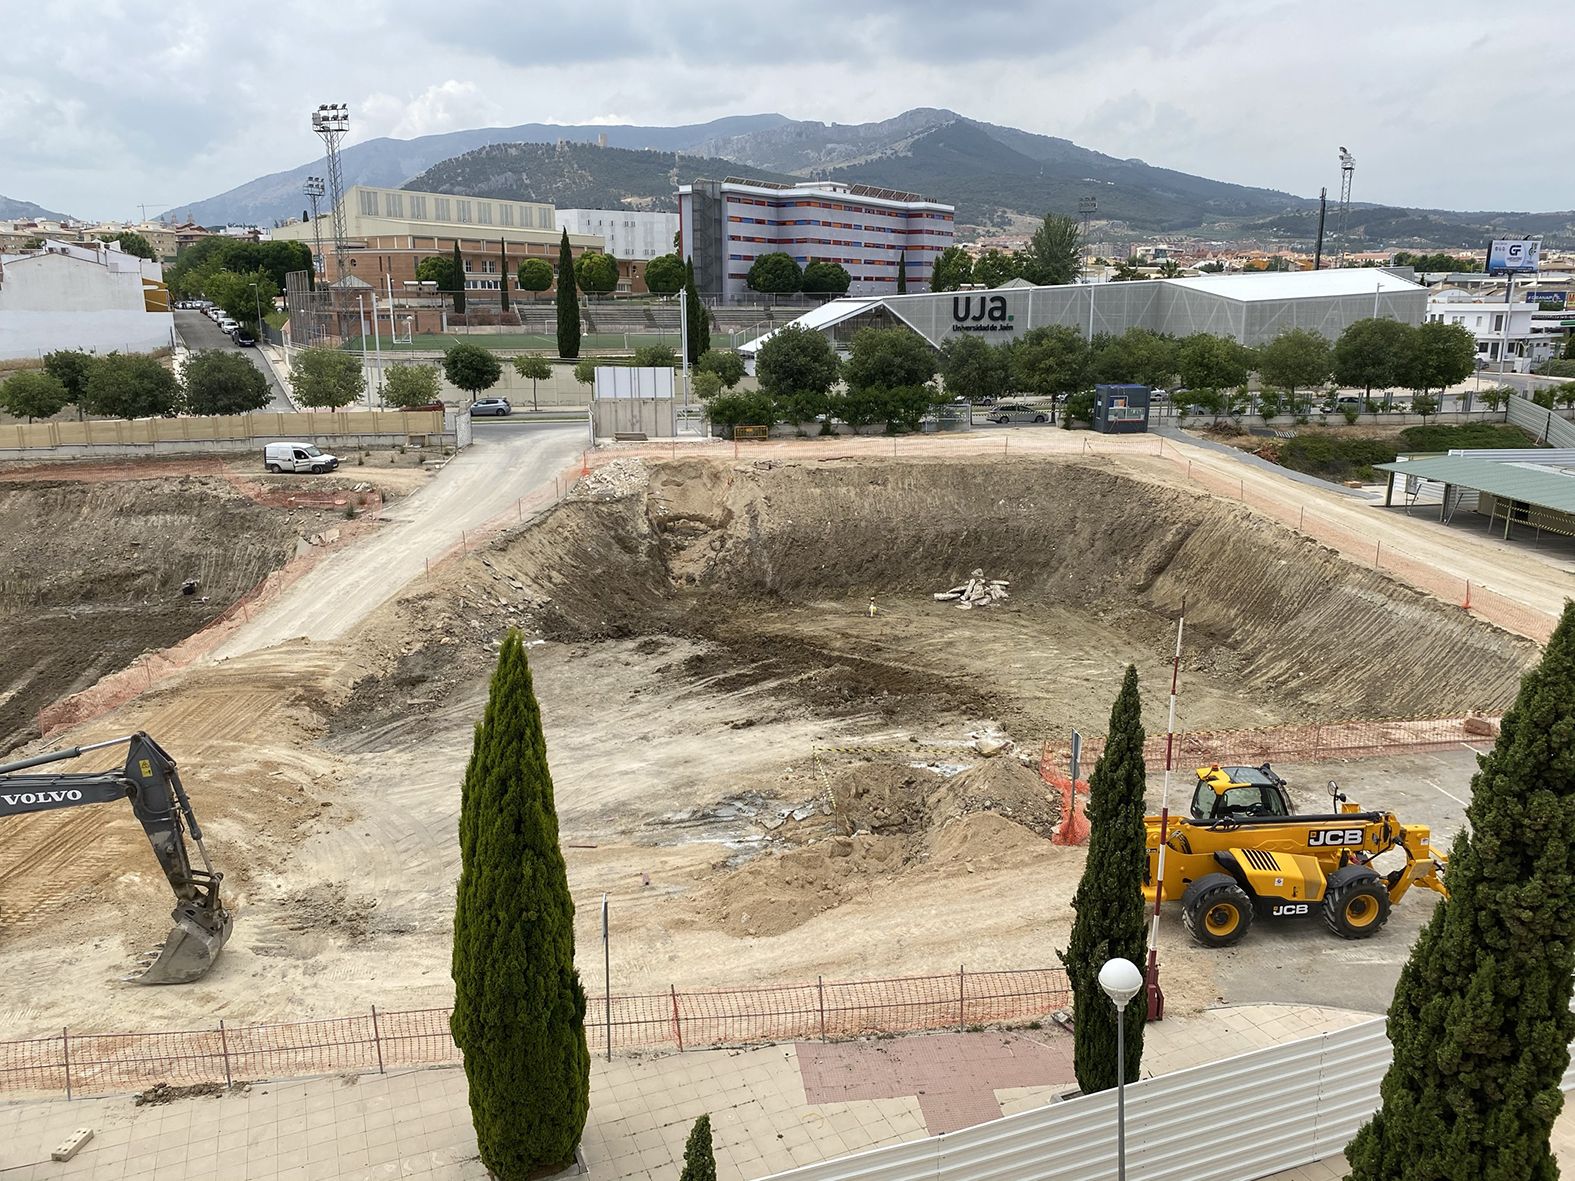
(1513,255)
(621,381)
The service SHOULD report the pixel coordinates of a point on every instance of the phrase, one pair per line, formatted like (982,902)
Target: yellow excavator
(1244,852)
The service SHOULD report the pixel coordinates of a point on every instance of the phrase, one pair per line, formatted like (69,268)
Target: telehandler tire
(1216,910)
(1357,909)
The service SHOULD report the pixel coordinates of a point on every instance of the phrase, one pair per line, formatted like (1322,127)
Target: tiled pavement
(417,1124)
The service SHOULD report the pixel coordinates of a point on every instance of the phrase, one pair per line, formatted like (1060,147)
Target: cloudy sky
(1445,103)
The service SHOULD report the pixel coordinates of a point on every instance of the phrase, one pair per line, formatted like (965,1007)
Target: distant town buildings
(728,224)
(92,296)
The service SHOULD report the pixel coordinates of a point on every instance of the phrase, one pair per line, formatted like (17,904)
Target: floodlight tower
(331,121)
(1347,170)
(1085,212)
(314,191)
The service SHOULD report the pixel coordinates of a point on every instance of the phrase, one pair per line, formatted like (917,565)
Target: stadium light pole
(1121,981)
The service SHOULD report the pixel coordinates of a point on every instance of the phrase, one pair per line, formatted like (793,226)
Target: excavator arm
(150,781)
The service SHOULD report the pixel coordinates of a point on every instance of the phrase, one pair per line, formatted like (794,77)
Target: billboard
(1554,300)
(1511,256)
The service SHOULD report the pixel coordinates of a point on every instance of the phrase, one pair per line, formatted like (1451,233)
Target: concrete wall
(648,416)
(60,301)
(332,431)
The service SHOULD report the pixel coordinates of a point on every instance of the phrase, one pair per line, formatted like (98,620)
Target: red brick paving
(954,1075)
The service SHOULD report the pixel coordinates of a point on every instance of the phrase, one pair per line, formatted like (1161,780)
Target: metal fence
(79,1064)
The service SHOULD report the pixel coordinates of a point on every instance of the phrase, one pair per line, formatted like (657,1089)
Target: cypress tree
(568,303)
(1109,899)
(519,1009)
(1480,1021)
(699,320)
(503,282)
(699,1160)
(459,280)
(902,273)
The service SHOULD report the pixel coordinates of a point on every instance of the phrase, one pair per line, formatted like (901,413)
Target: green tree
(131,242)
(585,371)
(242,295)
(1049,360)
(1127,272)
(827,278)
(1169,269)
(223,382)
(503,275)
(471,368)
(664,274)
(71,367)
(120,386)
(697,320)
(902,274)
(1440,355)
(412,385)
(1137,355)
(796,360)
(1054,254)
(1109,904)
(34,393)
(440,270)
(975,370)
(1213,363)
(953,267)
(326,378)
(519,1007)
(1495,396)
(459,280)
(596,272)
(775,274)
(1294,359)
(1213,267)
(707,385)
(1369,353)
(655,356)
(699,1158)
(568,303)
(726,364)
(1480,1021)
(537,369)
(889,359)
(730,410)
(1424,404)
(534,275)
(900,407)
(1437,261)
(994,267)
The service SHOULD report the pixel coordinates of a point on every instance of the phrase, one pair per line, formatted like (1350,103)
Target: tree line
(135,386)
(240,276)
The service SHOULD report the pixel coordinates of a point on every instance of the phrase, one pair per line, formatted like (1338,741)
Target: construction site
(780,748)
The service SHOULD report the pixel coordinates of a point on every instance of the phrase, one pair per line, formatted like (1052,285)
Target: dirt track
(706,650)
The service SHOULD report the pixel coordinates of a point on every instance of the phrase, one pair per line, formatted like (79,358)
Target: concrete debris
(1475,723)
(990,747)
(978,591)
(612,481)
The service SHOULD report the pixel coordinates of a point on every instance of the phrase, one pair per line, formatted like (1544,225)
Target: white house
(1511,332)
(82,296)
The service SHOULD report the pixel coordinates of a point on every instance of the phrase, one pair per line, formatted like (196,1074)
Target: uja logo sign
(983,313)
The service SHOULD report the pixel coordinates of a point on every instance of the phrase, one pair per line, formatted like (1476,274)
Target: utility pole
(1323,210)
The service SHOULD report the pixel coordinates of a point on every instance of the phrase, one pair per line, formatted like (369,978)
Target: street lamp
(1121,981)
(257,306)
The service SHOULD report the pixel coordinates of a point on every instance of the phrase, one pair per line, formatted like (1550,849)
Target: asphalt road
(479,484)
(198,332)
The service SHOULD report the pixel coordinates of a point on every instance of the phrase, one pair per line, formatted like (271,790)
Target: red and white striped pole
(1155,994)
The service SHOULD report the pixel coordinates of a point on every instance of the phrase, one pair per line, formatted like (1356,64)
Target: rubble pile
(610,481)
(978,591)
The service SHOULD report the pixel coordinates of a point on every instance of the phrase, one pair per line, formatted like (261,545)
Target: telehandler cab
(1244,852)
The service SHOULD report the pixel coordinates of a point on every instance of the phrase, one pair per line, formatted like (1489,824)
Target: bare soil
(767,782)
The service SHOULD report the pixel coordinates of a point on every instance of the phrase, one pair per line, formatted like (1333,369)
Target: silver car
(496,406)
(1016,412)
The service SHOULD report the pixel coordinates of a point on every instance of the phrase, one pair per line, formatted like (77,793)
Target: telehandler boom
(1244,852)
(149,780)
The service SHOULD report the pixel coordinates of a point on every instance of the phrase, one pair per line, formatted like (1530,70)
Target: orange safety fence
(79,1064)
(1309,742)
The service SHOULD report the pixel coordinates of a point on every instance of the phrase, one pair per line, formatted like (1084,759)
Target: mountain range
(996,176)
(13,210)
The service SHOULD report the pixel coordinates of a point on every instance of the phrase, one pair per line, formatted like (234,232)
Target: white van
(297,457)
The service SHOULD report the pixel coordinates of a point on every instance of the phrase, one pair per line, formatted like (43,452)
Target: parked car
(495,406)
(298,457)
(438,406)
(1016,412)
(243,338)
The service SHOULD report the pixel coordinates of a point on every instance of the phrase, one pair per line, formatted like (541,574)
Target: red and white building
(727,224)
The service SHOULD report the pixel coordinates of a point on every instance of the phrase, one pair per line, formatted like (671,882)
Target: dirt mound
(1006,788)
(777,893)
(91,577)
(882,798)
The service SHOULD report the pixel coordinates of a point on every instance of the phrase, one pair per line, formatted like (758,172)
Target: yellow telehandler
(1243,851)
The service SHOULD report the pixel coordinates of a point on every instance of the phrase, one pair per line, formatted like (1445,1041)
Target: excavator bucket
(186,954)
